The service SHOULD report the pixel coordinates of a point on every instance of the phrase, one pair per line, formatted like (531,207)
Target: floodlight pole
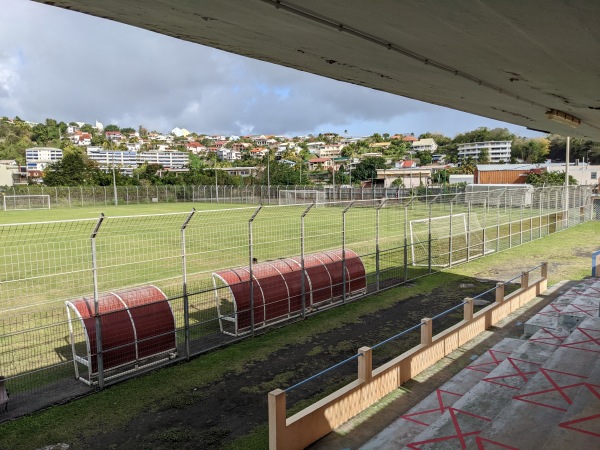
(251,265)
(99,355)
(186,305)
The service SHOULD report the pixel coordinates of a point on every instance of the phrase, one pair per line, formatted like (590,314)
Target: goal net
(454,239)
(300,196)
(20,202)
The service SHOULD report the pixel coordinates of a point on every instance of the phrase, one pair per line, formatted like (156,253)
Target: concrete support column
(365,364)
(468,309)
(426,331)
(499,292)
(277,419)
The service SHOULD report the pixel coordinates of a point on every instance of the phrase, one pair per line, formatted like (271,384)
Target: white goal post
(454,239)
(21,202)
(301,196)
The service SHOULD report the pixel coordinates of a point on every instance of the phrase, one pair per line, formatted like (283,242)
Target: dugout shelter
(276,291)
(138,330)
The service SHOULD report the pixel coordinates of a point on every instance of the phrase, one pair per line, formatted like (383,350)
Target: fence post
(377,223)
(468,230)
(406,243)
(277,419)
(99,355)
(499,292)
(426,331)
(303,273)
(186,304)
(498,227)
(524,280)
(450,240)
(365,364)
(521,227)
(344,276)
(251,266)
(429,239)
(468,309)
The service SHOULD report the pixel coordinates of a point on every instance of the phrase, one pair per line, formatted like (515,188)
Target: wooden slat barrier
(322,417)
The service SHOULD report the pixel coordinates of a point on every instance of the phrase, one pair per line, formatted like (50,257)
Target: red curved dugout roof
(136,323)
(278,284)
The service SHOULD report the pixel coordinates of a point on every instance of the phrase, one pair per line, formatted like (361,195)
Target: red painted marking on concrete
(440,409)
(480,441)
(586,309)
(569,425)
(494,362)
(519,373)
(555,307)
(552,336)
(594,389)
(555,388)
(587,332)
(460,435)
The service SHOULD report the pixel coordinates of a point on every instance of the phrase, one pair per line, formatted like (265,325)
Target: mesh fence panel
(44,264)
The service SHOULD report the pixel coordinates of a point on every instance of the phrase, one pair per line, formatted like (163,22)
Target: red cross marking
(518,373)
(587,332)
(480,441)
(460,435)
(569,425)
(544,340)
(441,408)
(586,309)
(494,362)
(555,388)
(555,307)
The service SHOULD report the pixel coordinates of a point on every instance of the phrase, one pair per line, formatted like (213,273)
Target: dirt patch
(209,416)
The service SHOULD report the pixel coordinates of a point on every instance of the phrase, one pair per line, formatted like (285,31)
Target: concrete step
(532,414)
(460,424)
(411,424)
(580,426)
(560,314)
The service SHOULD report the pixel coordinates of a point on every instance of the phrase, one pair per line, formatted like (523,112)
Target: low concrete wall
(319,419)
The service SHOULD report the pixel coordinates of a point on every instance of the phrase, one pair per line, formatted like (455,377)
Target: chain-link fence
(81,196)
(224,274)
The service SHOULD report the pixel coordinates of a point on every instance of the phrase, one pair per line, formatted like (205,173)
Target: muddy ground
(215,415)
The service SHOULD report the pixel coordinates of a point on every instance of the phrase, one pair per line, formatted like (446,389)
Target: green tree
(367,168)
(484,156)
(549,179)
(111,127)
(74,169)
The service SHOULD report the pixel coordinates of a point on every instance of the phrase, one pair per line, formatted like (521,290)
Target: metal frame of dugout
(281,289)
(138,331)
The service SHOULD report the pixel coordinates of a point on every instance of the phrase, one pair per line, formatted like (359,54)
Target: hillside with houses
(77,153)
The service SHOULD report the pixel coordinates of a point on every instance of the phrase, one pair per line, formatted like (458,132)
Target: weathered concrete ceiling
(511,60)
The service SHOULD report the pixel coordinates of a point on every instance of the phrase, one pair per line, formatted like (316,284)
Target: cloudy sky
(72,67)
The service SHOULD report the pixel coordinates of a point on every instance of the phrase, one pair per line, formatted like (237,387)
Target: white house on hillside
(424,145)
(498,151)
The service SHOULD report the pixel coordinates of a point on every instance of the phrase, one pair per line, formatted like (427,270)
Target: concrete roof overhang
(509,60)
